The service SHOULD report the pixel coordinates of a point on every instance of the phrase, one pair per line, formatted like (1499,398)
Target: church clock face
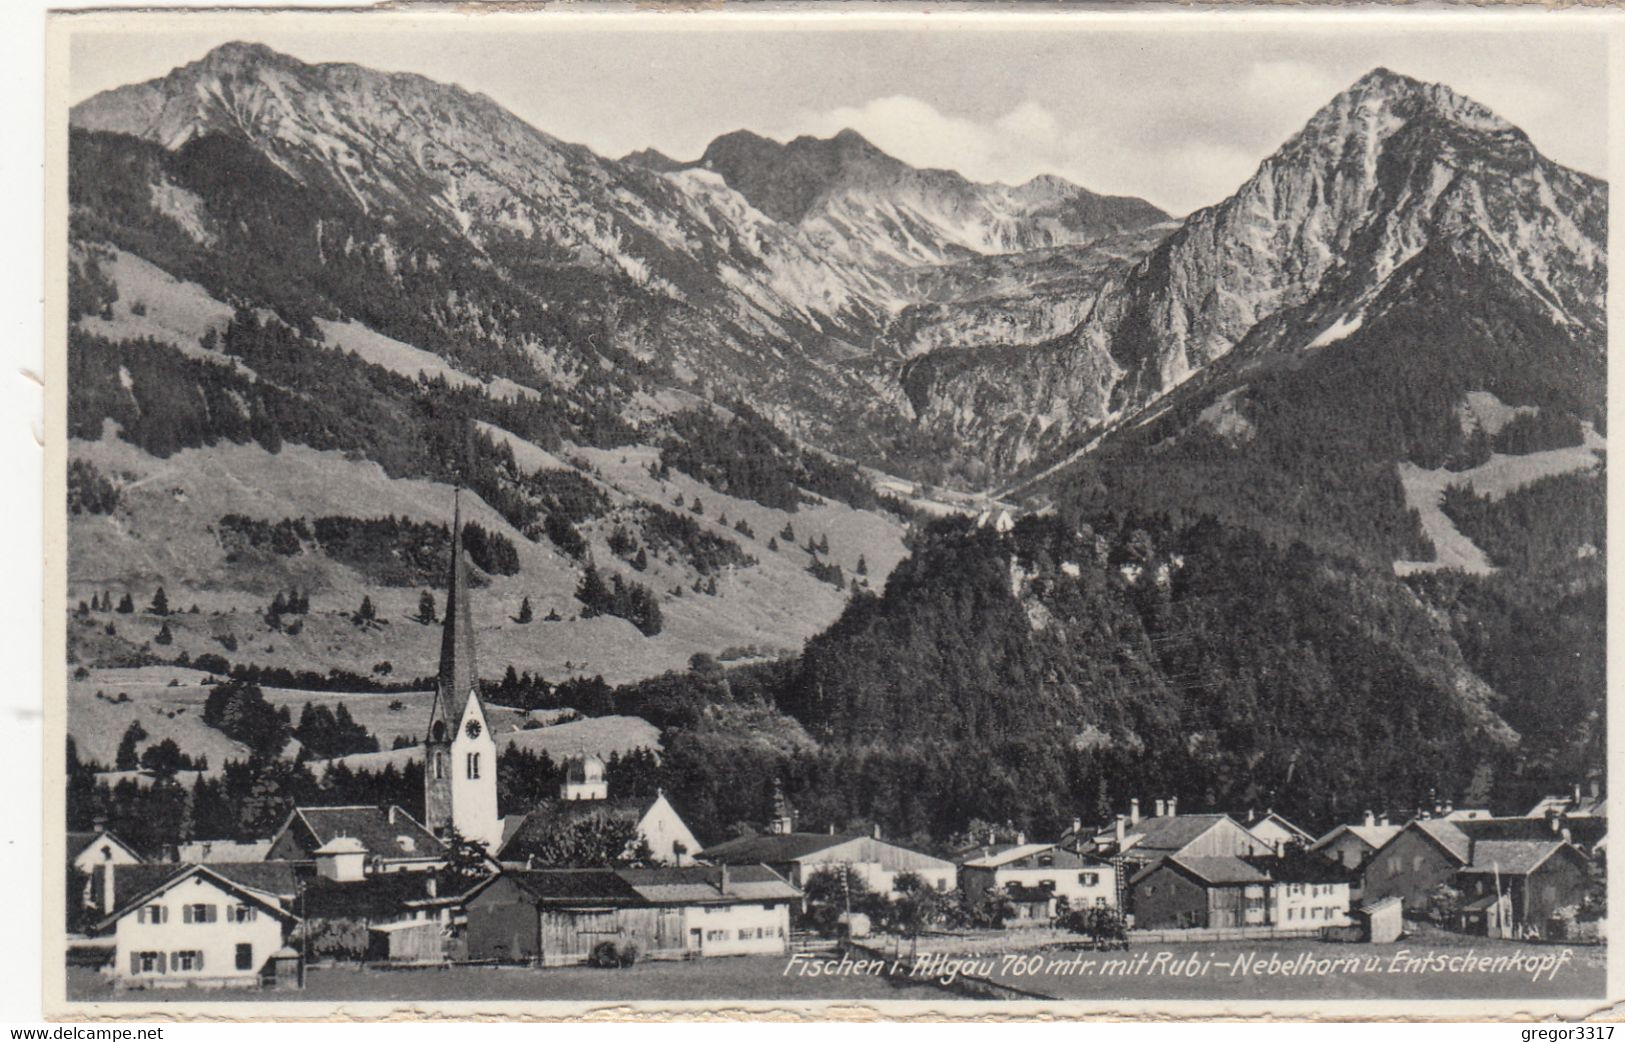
(473,729)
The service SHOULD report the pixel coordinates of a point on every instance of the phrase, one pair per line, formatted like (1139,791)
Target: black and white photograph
(1049,512)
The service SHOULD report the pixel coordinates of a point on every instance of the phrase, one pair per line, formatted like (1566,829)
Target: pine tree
(367,612)
(95,602)
(789,533)
(697,507)
(83,609)
(641,561)
(126,605)
(772,544)
(160,603)
(279,604)
(863,566)
(823,544)
(525,615)
(164,636)
(127,759)
(426,607)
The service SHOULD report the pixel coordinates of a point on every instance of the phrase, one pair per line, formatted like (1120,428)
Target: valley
(798,462)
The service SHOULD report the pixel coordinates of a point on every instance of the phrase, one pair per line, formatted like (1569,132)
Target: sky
(1180,114)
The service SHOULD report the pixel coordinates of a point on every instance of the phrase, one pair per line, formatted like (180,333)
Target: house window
(942,884)
(1089,878)
(744,935)
(147,962)
(473,765)
(154,914)
(199,913)
(187,962)
(245,956)
(1100,902)
(243,914)
(1046,860)
(716,935)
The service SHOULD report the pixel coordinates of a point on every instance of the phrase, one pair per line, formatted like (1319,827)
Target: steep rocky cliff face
(1295,259)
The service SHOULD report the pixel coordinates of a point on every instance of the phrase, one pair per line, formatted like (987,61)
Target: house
(1419,858)
(391,839)
(1184,891)
(1351,845)
(1043,872)
(202,925)
(1141,842)
(1309,891)
(1541,869)
(558,916)
(1278,832)
(1536,877)
(1574,804)
(86,850)
(797,855)
(656,820)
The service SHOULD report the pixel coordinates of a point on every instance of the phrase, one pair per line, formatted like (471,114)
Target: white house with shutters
(191,925)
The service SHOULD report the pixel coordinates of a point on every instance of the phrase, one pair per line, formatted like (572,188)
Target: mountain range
(345,290)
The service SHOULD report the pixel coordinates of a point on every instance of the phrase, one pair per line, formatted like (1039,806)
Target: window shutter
(135,963)
(162,962)
(186,913)
(211,913)
(199,965)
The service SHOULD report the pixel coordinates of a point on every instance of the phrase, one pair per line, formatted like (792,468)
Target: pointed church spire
(458,673)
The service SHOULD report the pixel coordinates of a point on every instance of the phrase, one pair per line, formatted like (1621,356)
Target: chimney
(1162,807)
(1134,811)
(1554,820)
(1173,806)
(98,824)
(1370,819)
(1594,787)
(431,884)
(107,888)
(1122,829)
(874,830)
(1568,837)
(1383,820)
(1021,839)
(832,828)
(722,881)
(1077,828)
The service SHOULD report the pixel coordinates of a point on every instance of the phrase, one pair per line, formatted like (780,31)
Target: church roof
(458,673)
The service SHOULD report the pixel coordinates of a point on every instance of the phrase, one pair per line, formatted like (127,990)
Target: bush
(613,955)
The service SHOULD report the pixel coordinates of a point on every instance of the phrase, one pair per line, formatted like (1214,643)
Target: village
(373,886)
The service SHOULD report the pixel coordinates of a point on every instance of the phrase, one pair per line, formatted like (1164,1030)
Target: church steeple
(459,777)
(458,673)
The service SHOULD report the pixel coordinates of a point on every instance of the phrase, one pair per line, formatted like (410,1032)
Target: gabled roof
(1301,866)
(567,886)
(1213,871)
(1275,818)
(778,849)
(79,841)
(1587,806)
(1511,857)
(1446,834)
(703,884)
(382,895)
(379,830)
(529,832)
(135,885)
(1014,855)
(773,848)
(1164,835)
(1372,836)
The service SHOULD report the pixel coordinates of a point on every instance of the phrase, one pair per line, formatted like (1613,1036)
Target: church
(460,762)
